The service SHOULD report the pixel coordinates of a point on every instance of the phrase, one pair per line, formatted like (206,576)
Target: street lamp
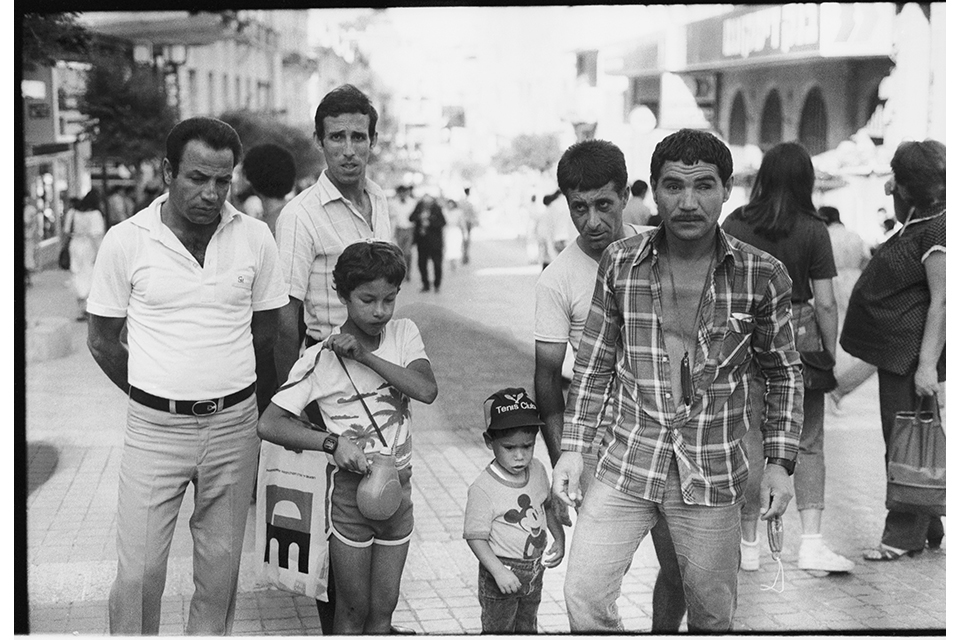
(166,59)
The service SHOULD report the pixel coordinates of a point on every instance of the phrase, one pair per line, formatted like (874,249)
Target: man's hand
(562,512)
(566,478)
(350,457)
(507,581)
(925,381)
(346,345)
(776,491)
(554,555)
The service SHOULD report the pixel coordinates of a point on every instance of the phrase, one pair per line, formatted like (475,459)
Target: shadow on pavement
(42,459)
(470,361)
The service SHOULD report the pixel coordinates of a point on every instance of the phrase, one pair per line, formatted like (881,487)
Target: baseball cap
(510,408)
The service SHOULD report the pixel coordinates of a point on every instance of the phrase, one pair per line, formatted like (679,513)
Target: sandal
(883,553)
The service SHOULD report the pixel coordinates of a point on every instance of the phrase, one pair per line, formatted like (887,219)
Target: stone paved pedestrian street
(478,331)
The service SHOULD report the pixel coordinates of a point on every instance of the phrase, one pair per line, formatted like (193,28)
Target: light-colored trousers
(610,527)
(162,454)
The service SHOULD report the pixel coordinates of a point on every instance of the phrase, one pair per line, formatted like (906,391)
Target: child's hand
(344,344)
(554,555)
(350,457)
(507,581)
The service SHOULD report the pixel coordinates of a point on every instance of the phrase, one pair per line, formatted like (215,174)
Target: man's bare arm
(103,340)
(287,349)
(548,387)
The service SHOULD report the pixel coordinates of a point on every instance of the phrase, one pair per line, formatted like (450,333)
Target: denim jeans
(810,476)
(610,527)
(511,612)
(162,455)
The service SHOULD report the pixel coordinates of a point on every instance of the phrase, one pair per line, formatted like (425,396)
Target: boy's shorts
(354,529)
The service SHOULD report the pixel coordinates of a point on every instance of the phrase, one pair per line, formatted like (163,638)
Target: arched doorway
(771,121)
(738,121)
(813,123)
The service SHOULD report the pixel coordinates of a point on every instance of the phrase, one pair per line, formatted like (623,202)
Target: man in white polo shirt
(198,287)
(316,226)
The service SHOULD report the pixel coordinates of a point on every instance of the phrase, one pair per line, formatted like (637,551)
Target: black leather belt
(191,407)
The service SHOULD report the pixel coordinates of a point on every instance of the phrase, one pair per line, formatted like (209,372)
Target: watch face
(330,444)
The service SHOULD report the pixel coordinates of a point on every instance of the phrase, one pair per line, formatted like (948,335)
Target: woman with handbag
(780,219)
(897,319)
(85,227)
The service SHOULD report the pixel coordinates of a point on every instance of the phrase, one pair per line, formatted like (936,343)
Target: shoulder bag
(917,461)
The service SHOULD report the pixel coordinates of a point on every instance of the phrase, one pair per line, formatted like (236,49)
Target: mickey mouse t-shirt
(509,512)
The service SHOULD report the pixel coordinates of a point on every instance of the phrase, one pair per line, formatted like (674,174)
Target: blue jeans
(511,612)
(811,472)
(162,455)
(610,527)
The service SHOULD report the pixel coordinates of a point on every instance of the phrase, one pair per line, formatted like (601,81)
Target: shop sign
(790,31)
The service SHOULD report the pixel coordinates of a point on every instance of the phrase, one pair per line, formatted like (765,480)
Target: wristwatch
(330,443)
(783,462)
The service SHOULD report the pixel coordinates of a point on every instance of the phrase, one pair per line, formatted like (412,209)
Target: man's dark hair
(688,146)
(638,188)
(345,99)
(496,434)
(214,133)
(591,164)
(270,169)
(366,261)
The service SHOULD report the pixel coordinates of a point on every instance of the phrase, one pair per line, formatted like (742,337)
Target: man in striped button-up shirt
(681,318)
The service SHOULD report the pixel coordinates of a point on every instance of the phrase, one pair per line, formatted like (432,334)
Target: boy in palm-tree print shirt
(365,372)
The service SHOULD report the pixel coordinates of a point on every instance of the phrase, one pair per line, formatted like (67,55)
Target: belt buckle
(204,407)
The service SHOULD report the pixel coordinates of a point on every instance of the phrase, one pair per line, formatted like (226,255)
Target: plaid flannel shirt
(743,330)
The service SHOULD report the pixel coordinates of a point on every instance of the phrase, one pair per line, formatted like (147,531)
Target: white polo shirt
(312,231)
(188,326)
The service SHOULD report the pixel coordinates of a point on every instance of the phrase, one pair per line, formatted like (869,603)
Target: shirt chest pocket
(735,347)
(237,287)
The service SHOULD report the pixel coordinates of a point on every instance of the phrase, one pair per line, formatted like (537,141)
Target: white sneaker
(750,555)
(815,556)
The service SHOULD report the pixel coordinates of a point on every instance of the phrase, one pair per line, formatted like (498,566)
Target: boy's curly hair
(366,261)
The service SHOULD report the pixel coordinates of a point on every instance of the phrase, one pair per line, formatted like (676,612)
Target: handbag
(818,370)
(817,362)
(917,462)
(291,527)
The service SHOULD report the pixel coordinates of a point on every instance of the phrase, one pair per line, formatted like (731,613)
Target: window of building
(738,121)
(237,98)
(211,92)
(813,123)
(771,122)
(190,100)
(225,94)
(587,67)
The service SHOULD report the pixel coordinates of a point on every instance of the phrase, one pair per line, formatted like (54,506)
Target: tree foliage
(49,37)
(536,151)
(255,128)
(126,105)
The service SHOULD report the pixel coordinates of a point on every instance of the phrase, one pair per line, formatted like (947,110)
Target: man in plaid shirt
(682,316)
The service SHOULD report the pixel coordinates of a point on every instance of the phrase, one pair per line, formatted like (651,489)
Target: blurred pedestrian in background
(453,234)
(401,206)
(780,219)
(119,206)
(314,228)
(469,220)
(199,285)
(593,178)
(31,234)
(271,171)
(428,223)
(897,317)
(636,210)
(850,254)
(85,226)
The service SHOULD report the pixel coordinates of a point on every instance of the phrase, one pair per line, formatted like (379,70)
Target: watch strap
(789,465)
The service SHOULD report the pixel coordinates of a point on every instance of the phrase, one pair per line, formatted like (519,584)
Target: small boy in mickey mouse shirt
(507,514)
